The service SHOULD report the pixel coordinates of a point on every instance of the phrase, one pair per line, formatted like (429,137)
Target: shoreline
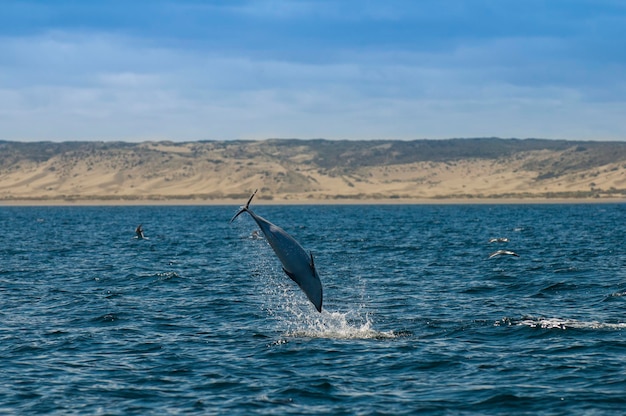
(365,201)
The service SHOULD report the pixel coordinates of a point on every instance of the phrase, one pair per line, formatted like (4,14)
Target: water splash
(337,325)
(296,318)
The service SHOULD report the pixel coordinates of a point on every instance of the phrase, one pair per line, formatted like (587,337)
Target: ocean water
(200,319)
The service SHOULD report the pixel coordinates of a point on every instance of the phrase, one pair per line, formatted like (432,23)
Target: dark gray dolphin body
(297,264)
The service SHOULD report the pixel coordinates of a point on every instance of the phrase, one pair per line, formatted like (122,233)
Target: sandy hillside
(306,171)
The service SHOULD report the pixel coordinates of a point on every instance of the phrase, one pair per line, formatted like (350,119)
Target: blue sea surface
(200,319)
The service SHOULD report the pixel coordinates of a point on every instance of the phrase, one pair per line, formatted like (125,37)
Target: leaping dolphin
(297,264)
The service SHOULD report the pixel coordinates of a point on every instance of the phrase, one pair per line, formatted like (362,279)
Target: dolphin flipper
(312,290)
(291,275)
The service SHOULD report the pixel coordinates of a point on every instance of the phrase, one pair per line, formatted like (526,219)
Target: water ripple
(200,318)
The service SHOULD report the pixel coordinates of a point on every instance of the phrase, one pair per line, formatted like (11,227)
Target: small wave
(617,294)
(277,343)
(109,317)
(166,275)
(559,286)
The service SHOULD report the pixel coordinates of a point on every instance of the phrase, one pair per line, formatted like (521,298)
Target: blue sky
(354,69)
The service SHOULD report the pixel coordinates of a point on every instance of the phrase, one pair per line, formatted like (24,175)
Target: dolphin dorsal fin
(312,261)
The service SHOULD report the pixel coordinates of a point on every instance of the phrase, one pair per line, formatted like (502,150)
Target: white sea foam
(558,323)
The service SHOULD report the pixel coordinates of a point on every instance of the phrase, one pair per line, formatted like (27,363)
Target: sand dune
(210,172)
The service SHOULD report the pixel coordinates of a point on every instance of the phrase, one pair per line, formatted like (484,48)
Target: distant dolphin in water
(139,232)
(297,264)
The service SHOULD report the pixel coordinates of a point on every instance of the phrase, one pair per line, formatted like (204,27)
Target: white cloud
(63,86)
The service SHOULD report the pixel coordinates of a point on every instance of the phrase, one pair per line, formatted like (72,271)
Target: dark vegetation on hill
(331,154)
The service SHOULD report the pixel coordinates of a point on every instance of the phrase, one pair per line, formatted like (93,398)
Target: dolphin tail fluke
(245,207)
